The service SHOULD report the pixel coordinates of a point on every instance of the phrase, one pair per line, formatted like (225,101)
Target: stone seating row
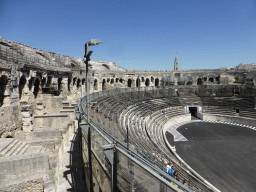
(143,135)
(143,119)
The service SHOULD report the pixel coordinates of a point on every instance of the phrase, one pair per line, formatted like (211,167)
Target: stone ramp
(10,147)
(176,135)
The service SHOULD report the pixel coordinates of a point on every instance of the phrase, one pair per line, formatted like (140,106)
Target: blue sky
(138,34)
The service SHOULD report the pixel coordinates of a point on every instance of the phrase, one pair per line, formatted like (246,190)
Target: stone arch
(3,83)
(199,81)
(108,80)
(189,80)
(156,82)
(211,79)
(121,80)
(129,83)
(95,84)
(112,81)
(22,84)
(152,79)
(83,81)
(117,80)
(103,84)
(36,87)
(181,81)
(138,82)
(142,79)
(78,83)
(59,84)
(147,82)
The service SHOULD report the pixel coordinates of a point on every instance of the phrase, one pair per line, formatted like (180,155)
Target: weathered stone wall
(26,186)
(9,120)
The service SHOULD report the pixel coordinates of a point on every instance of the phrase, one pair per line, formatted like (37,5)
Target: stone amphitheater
(48,143)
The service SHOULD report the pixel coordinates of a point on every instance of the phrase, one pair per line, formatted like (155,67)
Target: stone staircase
(10,147)
(68,107)
(190,100)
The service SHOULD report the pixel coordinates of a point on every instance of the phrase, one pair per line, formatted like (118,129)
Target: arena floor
(225,155)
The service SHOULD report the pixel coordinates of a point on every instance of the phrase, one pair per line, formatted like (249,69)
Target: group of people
(170,169)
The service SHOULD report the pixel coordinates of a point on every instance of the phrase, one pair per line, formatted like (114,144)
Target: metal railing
(131,169)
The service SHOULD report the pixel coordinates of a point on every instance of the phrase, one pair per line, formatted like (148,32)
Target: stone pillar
(55,83)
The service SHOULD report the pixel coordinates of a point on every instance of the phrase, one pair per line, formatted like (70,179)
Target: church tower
(176,63)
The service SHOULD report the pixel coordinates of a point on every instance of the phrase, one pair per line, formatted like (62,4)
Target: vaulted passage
(96,84)
(59,84)
(129,83)
(103,84)
(199,81)
(22,85)
(69,81)
(138,82)
(78,83)
(147,82)
(157,82)
(3,82)
(36,87)
(193,111)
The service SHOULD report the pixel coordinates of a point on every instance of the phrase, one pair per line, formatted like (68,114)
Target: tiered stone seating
(144,115)
(191,100)
(228,106)
(247,113)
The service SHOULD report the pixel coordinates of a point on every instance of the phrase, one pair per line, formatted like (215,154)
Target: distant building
(176,63)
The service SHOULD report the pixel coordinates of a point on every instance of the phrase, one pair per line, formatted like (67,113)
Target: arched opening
(43,82)
(112,81)
(147,82)
(83,81)
(9,136)
(152,79)
(121,80)
(217,80)
(103,84)
(129,83)
(78,83)
(69,82)
(205,78)
(108,80)
(142,79)
(3,83)
(157,82)
(36,87)
(30,83)
(74,81)
(138,82)
(59,84)
(211,79)
(117,80)
(199,81)
(189,82)
(96,84)
(22,84)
